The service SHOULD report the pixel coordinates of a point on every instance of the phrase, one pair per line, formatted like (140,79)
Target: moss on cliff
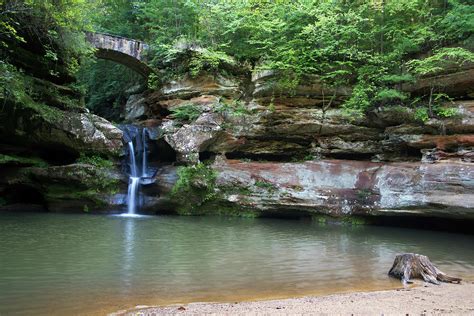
(85,184)
(195,186)
(89,197)
(19,160)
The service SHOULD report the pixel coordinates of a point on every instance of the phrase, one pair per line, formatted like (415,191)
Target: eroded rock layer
(276,152)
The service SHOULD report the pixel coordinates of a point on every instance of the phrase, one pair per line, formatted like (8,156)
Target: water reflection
(128,253)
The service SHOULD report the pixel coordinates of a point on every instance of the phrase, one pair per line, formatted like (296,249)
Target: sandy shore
(444,299)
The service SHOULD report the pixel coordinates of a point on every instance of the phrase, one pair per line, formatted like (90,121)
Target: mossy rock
(74,196)
(84,175)
(29,123)
(197,183)
(22,161)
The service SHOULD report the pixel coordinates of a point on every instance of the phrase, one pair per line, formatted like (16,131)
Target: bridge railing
(116,36)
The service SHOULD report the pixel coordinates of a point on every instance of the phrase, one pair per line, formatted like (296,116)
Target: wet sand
(456,299)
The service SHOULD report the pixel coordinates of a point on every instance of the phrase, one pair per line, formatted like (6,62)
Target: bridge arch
(125,51)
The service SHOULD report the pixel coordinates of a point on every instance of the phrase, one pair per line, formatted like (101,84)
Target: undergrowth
(195,186)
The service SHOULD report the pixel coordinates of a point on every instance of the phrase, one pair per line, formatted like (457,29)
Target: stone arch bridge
(125,51)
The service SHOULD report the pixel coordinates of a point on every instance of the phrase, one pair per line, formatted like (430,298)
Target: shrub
(197,184)
(234,108)
(385,95)
(421,114)
(95,161)
(186,113)
(446,112)
(208,60)
(33,161)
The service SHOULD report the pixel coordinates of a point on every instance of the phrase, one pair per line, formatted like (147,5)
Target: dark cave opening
(206,155)
(283,157)
(161,151)
(454,225)
(57,156)
(25,196)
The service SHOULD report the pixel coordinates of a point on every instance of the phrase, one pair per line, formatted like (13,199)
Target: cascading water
(144,156)
(133,181)
(132,194)
(133,161)
(135,140)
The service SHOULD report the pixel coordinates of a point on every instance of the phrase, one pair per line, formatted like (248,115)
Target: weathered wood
(409,266)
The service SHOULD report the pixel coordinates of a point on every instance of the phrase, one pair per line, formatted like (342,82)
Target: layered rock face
(270,125)
(65,131)
(37,166)
(45,131)
(339,187)
(278,152)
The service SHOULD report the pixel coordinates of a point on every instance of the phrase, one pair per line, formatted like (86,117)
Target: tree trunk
(430,107)
(411,265)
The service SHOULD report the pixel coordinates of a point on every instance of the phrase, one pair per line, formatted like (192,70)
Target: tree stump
(410,265)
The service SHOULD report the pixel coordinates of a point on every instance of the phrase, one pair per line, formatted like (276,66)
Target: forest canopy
(373,46)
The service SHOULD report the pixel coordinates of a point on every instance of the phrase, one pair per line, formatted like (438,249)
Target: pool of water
(57,264)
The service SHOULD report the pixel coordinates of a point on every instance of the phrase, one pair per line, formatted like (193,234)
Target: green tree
(436,63)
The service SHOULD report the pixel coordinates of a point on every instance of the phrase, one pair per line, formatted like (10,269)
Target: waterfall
(144,156)
(134,178)
(132,194)
(133,162)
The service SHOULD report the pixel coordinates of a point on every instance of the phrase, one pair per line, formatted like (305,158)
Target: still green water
(89,264)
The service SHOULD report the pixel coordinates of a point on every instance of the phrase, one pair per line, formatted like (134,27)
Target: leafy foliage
(233,108)
(438,62)
(186,113)
(13,159)
(390,95)
(95,161)
(41,47)
(372,46)
(421,114)
(19,90)
(363,44)
(107,86)
(197,183)
(442,58)
(208,60)
(447,112)
(12,82)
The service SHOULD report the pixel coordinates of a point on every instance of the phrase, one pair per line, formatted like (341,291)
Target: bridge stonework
(125,51)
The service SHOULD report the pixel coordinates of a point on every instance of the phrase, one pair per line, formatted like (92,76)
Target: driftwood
(408,266)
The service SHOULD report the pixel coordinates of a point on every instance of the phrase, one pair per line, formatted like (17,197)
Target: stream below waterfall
(63,264)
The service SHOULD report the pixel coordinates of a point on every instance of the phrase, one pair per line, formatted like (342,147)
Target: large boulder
(135,108)
(88,133)
(69,188)
(50,128)
(190,139)
(189,87)
(457,83)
